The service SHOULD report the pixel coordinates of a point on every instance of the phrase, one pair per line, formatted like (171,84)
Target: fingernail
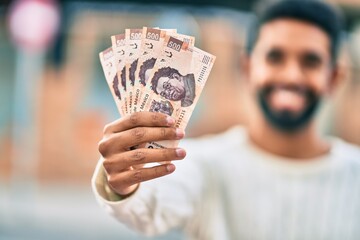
(180,152)
(170,168)
(180,133)
(170,121)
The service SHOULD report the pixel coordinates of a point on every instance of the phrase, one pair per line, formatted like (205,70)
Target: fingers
(124,180)
(124,164)
(122,141)
(124,161)
(139,119)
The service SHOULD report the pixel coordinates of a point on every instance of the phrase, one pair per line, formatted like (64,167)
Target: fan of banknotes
(157,70)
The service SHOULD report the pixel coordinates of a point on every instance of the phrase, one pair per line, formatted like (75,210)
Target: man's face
(171,88)
(163,107)
(290,70)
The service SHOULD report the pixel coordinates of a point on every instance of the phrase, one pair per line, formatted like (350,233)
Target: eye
(311,60)
(275,56)
(176,76)
(166,85)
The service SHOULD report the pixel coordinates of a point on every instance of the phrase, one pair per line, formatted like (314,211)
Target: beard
(286,120)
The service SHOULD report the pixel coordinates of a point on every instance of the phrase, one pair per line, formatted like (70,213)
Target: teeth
(283,99)
(292,90)
(287,91)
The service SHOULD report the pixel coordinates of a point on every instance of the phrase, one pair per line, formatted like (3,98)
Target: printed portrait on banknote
(170,84)
(162,106)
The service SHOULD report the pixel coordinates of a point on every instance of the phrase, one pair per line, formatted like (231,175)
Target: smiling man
(275,179)
(291,67)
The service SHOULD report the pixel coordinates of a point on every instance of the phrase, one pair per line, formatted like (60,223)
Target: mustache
(174,93)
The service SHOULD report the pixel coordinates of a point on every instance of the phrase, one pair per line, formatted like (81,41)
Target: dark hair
(162,72)
(148,64)
(132,71)
(314,12)
(123,78)
(115,86)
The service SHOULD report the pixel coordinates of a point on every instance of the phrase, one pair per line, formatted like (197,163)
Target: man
(170,84)
(278,179)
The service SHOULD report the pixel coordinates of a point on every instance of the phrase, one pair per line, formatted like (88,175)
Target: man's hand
(124,164)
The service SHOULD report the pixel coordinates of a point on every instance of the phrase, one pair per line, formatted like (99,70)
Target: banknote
(119,47)
(151,47)
(133,44)
(165,92)
(157,70)
(201,65)
(107,59)
(174,62)
(190,40)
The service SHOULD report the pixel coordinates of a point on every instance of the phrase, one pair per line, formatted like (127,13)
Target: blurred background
(55,101)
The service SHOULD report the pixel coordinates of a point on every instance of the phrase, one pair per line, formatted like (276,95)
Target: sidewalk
(60,212)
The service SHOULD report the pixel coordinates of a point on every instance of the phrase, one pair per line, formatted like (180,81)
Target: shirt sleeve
(158,205)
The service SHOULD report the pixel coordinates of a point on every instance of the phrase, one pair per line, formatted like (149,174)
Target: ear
(245,65)
(337,76)
(341,71)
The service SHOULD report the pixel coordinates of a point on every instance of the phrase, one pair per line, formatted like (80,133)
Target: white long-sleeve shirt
(227,188)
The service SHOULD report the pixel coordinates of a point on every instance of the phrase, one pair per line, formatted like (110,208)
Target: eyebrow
(273,49)
(313,54)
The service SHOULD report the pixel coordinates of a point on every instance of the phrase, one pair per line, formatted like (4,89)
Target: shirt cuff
(100,185)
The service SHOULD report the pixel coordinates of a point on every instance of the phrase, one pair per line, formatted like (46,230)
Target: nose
(292,73)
